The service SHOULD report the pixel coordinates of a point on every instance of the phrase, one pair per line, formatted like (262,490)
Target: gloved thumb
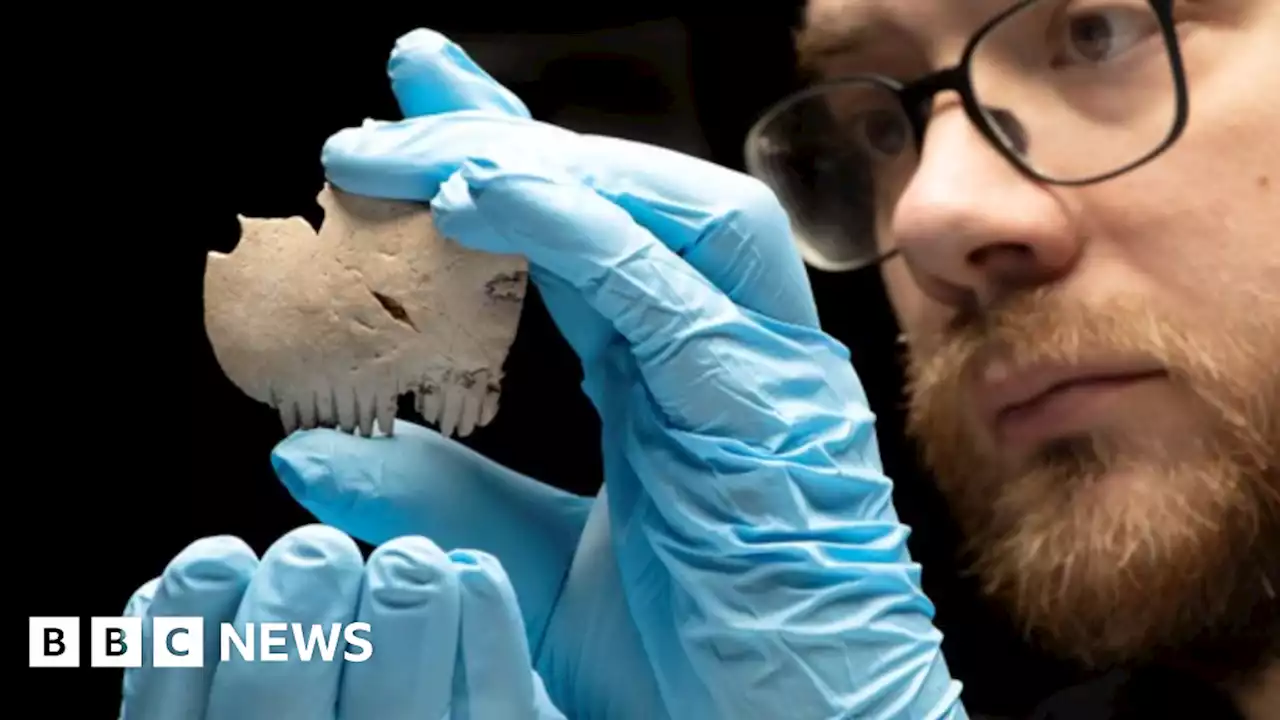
(418,482)
(431,74)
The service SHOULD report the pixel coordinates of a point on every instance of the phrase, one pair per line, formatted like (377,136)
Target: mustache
(1045,326)
(1041,326)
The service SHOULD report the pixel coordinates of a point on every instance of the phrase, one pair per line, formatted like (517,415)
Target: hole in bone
(507,286)
(394,308)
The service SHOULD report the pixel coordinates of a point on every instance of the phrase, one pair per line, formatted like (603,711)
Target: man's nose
(972,228)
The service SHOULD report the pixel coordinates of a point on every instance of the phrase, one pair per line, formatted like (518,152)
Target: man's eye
(881,132)
(1100,34)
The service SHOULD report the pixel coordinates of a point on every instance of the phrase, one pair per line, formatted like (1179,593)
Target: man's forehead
(842,26)
(832,26)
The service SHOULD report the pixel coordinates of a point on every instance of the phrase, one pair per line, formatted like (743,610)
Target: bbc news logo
(178,642)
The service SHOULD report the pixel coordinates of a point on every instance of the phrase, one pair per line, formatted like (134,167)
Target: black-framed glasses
(1071,92)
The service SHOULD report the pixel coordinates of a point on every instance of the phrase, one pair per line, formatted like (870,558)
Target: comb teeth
(344,408)
(331,328)
(457,405)
(460,404)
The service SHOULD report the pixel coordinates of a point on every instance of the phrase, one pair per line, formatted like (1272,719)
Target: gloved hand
(745,560)
(445,631)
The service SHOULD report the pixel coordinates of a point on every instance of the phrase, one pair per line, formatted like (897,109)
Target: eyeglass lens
(1073,90)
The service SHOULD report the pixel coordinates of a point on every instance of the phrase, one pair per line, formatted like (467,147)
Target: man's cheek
(905,298)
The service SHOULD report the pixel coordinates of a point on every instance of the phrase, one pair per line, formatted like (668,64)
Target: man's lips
(1039,400)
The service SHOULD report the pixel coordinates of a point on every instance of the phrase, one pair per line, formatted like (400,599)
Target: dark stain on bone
(507,286)
(394,308)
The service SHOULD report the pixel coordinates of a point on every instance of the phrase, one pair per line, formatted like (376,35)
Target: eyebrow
(835,34)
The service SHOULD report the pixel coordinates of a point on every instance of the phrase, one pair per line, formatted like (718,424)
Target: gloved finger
(590,334)
(206,580)
(137,607)
(596,598)
(729,226)
(140,601)
(544,708)
(411,605)
(430,74)
(418,482)
(310,577)
(497,681)
(698,351)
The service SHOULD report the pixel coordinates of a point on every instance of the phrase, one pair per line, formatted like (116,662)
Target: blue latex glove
(746,560)
(447,637)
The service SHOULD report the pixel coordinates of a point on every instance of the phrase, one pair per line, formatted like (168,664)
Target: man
(1095,390)
(1090,300)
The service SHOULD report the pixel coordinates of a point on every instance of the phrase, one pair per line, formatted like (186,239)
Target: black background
(130,443)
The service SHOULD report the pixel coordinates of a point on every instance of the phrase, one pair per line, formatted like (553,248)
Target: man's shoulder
(1146,693)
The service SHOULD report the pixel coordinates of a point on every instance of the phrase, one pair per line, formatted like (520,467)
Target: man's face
(1095,370)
